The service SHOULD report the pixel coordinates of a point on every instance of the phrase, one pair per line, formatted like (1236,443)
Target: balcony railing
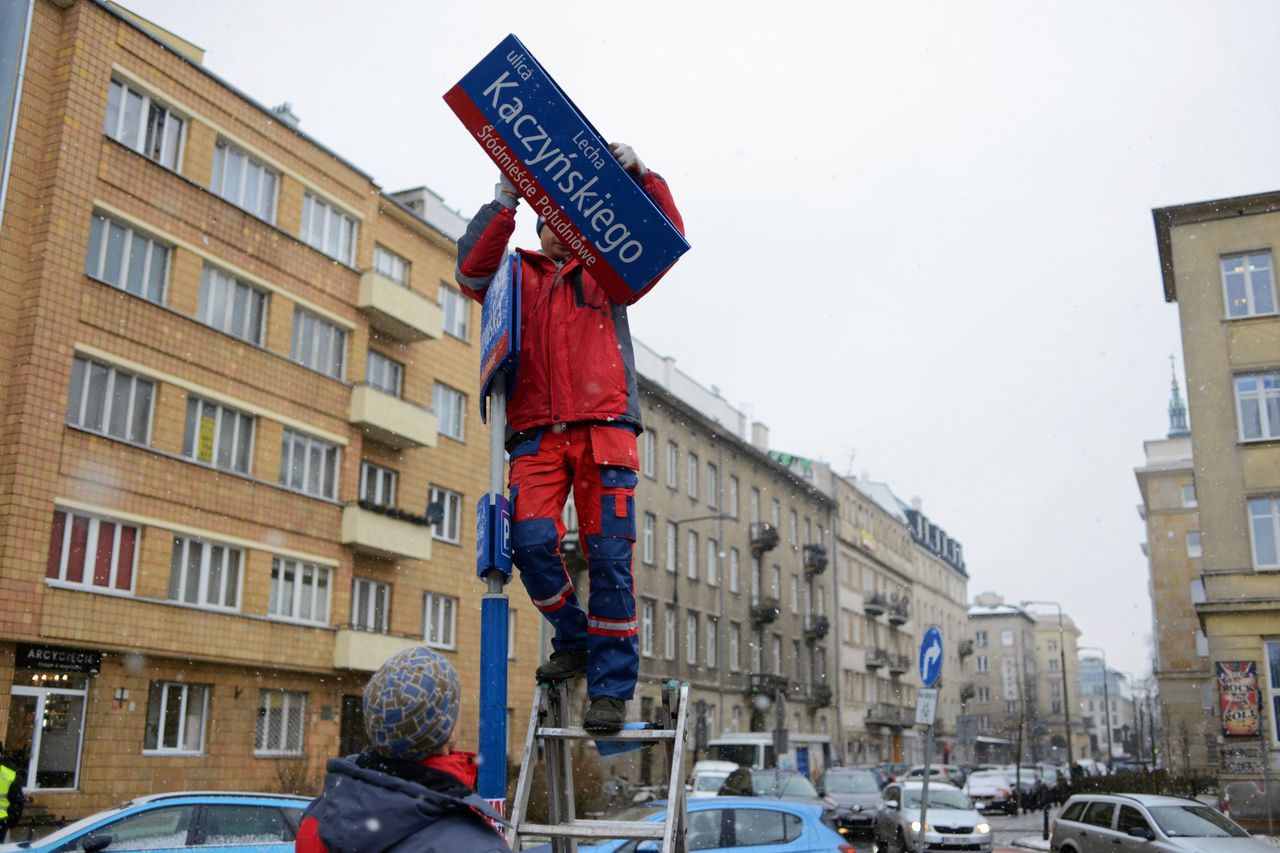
(765,609)
(875,604)
(818,695)
(877,658)
(764,537)
(815,559)
(899,664)
(397,311)
(764,683)
(967,692)
(900,611)
(893,716)
(385,533)
(816,627)
(964,648)
(391,421)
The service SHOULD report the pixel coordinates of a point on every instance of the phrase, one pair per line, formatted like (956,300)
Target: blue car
(719,823)
(228,822)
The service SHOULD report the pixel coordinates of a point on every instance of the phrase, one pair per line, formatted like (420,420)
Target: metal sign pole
(924,792)
(494,621)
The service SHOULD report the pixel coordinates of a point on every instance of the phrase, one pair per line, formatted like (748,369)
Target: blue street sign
(493,535)
(500,329)
(931,656)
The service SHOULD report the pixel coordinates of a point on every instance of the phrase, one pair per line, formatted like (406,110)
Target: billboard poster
(562,167)
(1238,697)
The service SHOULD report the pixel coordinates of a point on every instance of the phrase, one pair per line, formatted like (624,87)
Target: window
(980,638)
(775,583)
(299,591)
(673,536)
(451,407)
(795,593)
(1053,665)
(765,826)
(669,633)
(457,312)
(673,471)
(1131,818)
(1193,543)
(691,473)
(648,448)
(775,515)
(691,638)
(92,552)
(217,436)
(370,602)
(229,305)
(309,465)
(105,400)
(124,258)
(231,825)
(378,484)
(135,120)
(318,344)
(647,537)
(384,374)
(1099,814)
(244,181)
(731,499)
(327,229)
(1053,645)
(451,522)
(646,628)
(984,694)
(1258,406)
(206,574)
(777,654)
(983,665)
(1011,706)
(713,638)
(734,570)
(437,620)
(735,646)
(1247,284)
(391,265)
(691,556)
(1264,527)
(713,485)
(755,505)
(713,562)
(281,715)
(792,530)
(1006,638)
(176,716)
(1189,495)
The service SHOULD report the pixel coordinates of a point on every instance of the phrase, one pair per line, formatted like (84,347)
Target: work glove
(627,159)
(505,193)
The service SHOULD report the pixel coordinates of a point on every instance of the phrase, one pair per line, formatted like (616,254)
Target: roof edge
(1202,211)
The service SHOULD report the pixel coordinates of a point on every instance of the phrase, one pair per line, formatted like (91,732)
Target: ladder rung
(579,733)
(628,829)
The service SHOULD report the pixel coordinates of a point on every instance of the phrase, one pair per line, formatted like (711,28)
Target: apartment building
(1058,732)
(1004,683)
(1106,703)
(238,463)
(1217,263)
(1170,514)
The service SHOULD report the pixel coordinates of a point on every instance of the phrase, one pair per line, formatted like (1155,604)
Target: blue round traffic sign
(931,656)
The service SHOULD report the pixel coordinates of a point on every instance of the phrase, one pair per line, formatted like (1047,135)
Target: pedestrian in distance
(572,421)
(411,790)
(737,784)
(12,798)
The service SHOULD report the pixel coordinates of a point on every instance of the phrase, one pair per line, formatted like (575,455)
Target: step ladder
(548,724)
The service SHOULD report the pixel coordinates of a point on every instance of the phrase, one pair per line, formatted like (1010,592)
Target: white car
(708,776)
(951,823)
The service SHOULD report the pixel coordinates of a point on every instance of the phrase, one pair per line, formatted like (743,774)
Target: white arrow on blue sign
(931,656)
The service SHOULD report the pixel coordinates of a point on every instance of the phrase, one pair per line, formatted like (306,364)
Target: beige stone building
(1005,680)
(234,380)
(1056,638)
(1169,510)
(1217,262)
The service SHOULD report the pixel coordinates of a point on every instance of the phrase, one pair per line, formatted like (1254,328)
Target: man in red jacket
(572,421)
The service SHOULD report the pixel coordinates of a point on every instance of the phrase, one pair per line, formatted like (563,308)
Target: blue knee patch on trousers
(533,532)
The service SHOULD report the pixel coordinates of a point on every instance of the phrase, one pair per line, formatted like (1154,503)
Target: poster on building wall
(1238,697)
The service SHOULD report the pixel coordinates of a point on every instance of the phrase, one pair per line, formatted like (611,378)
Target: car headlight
(982,828)
(915,826)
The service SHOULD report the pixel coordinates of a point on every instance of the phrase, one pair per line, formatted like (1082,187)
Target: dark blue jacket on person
(374,804)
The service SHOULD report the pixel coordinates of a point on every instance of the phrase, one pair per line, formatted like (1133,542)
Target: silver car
(951,823)
(1146,823)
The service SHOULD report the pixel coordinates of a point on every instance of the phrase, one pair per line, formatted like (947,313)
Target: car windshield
(788,785)
(709,781)
(940,797)
(851,783)
(1195,822)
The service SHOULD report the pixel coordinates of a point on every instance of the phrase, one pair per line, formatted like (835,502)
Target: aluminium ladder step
(579,733)
(608,829)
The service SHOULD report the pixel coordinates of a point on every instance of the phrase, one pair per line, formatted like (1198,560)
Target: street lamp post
(1106,695)
(1062,650)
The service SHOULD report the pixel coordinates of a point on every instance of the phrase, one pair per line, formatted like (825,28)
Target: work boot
(605,716)
(564,664)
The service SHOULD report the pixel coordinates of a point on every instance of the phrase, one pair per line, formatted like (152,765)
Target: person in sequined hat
(411,789)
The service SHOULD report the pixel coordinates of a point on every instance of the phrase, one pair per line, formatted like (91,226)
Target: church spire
(1177,408)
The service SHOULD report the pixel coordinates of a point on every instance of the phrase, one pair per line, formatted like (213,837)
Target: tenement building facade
(238,463)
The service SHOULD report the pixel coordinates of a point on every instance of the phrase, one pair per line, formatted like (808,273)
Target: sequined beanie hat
(411,704)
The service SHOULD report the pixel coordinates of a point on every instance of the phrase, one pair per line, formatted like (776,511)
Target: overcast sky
(922,234)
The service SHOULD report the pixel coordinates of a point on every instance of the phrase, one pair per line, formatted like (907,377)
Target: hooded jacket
(373,804)
(576,358)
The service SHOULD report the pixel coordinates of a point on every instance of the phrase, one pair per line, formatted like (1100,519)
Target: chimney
(989,599)
(285,113)
(760,436)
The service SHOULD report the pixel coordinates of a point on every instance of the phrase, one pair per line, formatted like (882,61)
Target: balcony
(764,684)
(892,716)
(764,537)
(397,311)
(765,609)
(815,559)
(875,604)
(900,611)
(818,695)
(899,664)
(391,421)
(964,648)
(967,692)
(385,533)
(363,651)
(877,658)
(816,627)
